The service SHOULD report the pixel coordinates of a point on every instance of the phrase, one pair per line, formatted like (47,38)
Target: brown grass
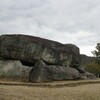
(80,92)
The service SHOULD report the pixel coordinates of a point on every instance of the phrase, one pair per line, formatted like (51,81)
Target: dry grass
(80,92)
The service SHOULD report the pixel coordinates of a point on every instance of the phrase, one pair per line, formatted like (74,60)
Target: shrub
(93,67)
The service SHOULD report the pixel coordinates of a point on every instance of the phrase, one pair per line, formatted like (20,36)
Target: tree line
(94,66)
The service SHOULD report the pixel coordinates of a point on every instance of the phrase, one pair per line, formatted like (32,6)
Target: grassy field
(88,91)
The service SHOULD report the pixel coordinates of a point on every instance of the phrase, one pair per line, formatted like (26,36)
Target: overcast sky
(66,21)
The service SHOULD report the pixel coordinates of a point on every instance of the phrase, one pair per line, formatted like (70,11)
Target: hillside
(86,59)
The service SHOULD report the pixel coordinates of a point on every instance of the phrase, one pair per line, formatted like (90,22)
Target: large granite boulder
(29,49)
(42,73)
(14,70)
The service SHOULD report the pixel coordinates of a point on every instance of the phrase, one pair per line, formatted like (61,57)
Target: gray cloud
(61,20)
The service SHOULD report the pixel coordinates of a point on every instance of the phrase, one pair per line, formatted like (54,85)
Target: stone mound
(50,60)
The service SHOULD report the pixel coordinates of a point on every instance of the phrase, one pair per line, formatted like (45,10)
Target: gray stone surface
(13,69)
(90,76)
(42,73)
(29,49)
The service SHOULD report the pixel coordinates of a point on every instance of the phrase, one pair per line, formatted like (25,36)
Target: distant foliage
(96,53)
(93,67)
